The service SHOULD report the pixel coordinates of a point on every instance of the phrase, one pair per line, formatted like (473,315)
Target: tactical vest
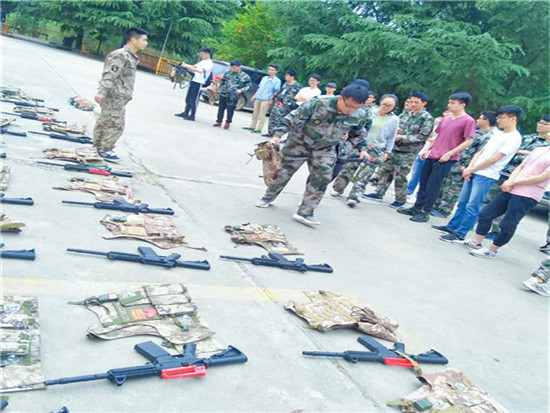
(271,158)
(327,310)
(269,237)
(159,230)
(448,391)
(20,344)
(65,128)
(6,225)
(165,311)
(80,155)
(104,189)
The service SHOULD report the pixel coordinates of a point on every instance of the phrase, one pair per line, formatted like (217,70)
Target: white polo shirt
(200,77)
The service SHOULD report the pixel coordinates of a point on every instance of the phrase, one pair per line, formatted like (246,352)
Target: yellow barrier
(163,66)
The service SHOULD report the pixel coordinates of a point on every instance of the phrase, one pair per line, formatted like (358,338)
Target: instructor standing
(116,88)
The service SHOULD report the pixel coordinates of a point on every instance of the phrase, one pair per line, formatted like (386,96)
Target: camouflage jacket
(285,97)
(234,81)
(528,143)
(318,124)
(403,118)
(356,141)
(119,75)
(416,130)
(479,141)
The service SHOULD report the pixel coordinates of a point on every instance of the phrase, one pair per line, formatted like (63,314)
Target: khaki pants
(258,117)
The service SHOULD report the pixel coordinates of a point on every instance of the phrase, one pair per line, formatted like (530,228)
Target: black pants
(514,208)
(433,174)
(223,105)
(192,99)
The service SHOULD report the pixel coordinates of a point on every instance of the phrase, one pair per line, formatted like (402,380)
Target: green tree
(249,36)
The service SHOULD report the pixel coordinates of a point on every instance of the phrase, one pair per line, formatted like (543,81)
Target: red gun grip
(99,172)
(400,362)
(183,372)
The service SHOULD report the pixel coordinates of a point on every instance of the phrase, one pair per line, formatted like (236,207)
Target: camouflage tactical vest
(271,159)
(104,189)
(80,155)
(165,311)
(327,310)
(65,128)
(6,225)
(449,391)
(159,230)
(20,344)
(269,237)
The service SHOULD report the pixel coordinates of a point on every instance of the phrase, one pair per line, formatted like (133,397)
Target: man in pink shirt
(454,134)
(521,192)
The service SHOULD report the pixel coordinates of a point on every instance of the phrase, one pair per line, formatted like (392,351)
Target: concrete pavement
(474,311)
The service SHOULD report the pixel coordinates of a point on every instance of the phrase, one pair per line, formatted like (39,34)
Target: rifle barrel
(230,257)
(78,203)
(79,251)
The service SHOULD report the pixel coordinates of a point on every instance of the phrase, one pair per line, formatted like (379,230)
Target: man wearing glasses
(314,130)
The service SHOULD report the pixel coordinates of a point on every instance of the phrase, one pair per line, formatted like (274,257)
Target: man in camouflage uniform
(284,101)
(233,84)
(417,127)
(314,129)
(115,91)
(529,143)
(452,184)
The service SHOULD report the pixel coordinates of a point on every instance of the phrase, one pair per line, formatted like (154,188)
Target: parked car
(219,69)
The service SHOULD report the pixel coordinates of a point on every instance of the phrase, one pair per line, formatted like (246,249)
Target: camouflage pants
(544,270)
(358,175)
(396,168)
(449,193)
(110,124)
(320,163)
(276,117)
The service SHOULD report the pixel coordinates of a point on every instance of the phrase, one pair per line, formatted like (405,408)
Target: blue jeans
(470,202)
(416,174)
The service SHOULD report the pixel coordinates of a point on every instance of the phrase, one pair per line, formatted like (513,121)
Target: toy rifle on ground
(27,103)
(162,363)
(123,205)
(277,260)
(66,137)
(17,254)
(16,201)
(148,256)
(5,131)
(379,353)
(34,117)
(91,169)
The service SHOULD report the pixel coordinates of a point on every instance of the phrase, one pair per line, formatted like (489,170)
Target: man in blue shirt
(263,98)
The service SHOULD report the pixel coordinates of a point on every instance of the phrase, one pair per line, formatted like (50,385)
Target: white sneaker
(264,203)
(336,194)
(538,287)
(309,221)
(468,243)
(483,253)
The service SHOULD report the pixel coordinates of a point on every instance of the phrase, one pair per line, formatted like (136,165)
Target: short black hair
(391,96)
(133,33)
(362,82)
(491,116)
(462,97)
(356,92)
(545,118)
(235,62)
(420,95)
(373,93)
(291,73)
(315,76)
(206,50)
(511,110)
(274,66)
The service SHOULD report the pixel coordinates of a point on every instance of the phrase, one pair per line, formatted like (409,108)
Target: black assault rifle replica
(91,169)
(162,363)
(148,256)
(277,260)
(123,205)
(66,137)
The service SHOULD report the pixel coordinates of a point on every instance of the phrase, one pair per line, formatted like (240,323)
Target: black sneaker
(180,115)
(420,217)
(189,118)
(451,237)
(408,211)
(442,229)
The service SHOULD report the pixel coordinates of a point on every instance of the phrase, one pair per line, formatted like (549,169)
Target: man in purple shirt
(454,134)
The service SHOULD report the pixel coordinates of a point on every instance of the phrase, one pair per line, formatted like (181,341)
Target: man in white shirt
(201,72)
(483,170)
(308,93)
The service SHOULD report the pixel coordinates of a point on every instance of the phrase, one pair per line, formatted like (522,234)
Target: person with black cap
(330,88)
